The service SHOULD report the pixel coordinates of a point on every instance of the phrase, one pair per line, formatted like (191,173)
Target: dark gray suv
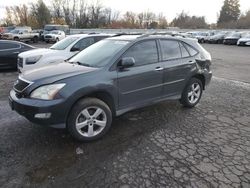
(112,77)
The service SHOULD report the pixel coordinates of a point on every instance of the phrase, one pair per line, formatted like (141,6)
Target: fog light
(43,115)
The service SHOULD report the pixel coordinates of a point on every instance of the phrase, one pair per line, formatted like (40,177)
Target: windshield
(99,54)
(234,35)
(14,31)
(54,32)
(61,45)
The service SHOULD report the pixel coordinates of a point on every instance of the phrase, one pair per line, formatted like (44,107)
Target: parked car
(9,51)
(109,78)
(245,40)
(1,32)
(50,27)
(232,39)
(21,34)
(201,36)
(218,38)
(58,52)
(54,36)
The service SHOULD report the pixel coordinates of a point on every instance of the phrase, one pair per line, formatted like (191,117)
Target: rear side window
(191,50)
(170,49)
(184,51)
(8,46)
(143,53)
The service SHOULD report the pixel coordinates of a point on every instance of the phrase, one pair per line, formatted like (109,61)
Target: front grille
(242,43)
(48,37)
(20,85)
(20,62)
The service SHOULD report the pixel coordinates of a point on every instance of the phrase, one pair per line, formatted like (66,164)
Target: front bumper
(29,108)
(50,39)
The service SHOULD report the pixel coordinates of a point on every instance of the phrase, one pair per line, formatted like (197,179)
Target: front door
(143,81)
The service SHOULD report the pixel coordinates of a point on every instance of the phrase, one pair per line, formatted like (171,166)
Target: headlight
(46,92)
(33,60)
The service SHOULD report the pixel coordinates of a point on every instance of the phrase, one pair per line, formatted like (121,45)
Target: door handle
(191,62)
(158,68)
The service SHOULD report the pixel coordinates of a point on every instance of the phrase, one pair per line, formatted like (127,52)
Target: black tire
(185,98)
(16,39)
(47,41)
(57,39)
(35,40)
(88,103)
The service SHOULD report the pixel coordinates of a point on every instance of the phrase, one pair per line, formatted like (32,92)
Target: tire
(35,40)
(57,39)
(83,113)
(16,39)
(192,93)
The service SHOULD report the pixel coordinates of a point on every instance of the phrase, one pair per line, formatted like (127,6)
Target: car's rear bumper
(208,76)
(43,112)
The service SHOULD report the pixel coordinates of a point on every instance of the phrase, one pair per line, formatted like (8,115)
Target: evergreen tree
(230,12)
(41,12)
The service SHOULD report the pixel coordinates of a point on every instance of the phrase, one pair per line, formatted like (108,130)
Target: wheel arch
(201,78)
(102,95)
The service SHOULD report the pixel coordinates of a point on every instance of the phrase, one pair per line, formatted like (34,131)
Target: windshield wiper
(79,63)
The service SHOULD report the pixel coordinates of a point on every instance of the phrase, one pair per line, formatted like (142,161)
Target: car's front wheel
(192,93)
(89,119)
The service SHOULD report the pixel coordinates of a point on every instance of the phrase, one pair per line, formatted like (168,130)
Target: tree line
(80,14)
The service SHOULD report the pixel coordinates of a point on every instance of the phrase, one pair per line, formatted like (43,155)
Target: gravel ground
(164,145)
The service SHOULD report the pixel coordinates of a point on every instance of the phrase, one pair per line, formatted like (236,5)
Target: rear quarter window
(190,49)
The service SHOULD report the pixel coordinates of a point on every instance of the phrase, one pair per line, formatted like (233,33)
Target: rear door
(143,81)
(176,61)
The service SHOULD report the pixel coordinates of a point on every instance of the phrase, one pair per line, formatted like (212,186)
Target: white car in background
(58,52)
(244,41)
(54,36)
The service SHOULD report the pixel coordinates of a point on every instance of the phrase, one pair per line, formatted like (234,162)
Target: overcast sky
(170,8)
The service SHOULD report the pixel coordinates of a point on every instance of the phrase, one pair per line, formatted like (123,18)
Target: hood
(244,39)
(55,72)
(51,34)
(232,38)
(37,52)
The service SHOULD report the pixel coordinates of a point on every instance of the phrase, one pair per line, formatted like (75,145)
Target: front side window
(84,43)
(170,49)
(143,53)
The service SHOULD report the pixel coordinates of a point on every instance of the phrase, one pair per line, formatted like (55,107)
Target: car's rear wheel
(192,93)
(35,40)
(89,119)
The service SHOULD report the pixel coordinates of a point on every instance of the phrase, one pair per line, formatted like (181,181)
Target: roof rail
(120,34)
(162,33)
(93,33)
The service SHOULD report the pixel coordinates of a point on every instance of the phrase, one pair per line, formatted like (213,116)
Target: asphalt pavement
(163,145)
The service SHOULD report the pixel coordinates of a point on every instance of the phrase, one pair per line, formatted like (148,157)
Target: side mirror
(75,49)
(20,33)
(126,62)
